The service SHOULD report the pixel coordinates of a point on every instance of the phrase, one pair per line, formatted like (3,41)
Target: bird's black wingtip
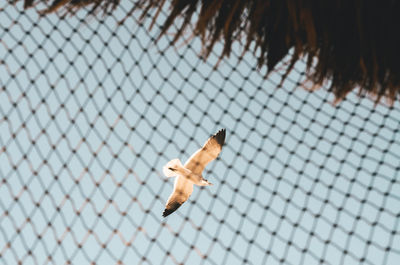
(166,213)
(220,136)
(171,208)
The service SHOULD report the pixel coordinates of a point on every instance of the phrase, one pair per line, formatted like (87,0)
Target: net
(91,110)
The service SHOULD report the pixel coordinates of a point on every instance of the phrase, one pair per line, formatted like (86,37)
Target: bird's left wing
(183,188)
(210,150)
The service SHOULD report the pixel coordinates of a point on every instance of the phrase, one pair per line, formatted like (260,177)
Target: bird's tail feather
(171,168)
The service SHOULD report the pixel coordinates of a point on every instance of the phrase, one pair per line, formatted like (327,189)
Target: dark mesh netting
(91,110)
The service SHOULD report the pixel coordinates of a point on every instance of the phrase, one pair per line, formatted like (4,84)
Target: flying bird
(191,172)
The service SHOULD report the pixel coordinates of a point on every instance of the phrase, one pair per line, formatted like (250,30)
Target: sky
(91,110)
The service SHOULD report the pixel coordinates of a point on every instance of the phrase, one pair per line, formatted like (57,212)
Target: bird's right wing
(183,188)
(210,150)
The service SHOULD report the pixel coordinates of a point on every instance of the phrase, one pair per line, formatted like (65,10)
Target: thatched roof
(356,43)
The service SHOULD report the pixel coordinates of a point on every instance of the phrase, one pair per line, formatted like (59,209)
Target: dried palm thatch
(355,42)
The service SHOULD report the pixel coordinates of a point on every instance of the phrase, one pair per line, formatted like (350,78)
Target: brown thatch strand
(356,42)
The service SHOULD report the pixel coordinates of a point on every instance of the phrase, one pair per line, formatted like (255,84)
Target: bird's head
(205,182)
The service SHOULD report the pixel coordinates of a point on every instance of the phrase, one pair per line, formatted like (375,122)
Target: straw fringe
(356,42)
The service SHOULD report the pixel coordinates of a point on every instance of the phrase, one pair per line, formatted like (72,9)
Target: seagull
(191,173)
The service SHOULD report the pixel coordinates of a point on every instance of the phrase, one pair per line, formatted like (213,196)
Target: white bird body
(191,173)
(174,168)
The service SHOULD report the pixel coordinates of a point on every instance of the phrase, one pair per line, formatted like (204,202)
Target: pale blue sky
(97,109)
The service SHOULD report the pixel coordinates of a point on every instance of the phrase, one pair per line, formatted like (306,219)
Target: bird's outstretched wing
(210,150)
(182,190)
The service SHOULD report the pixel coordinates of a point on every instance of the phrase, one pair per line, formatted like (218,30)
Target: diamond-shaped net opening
(91,110)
